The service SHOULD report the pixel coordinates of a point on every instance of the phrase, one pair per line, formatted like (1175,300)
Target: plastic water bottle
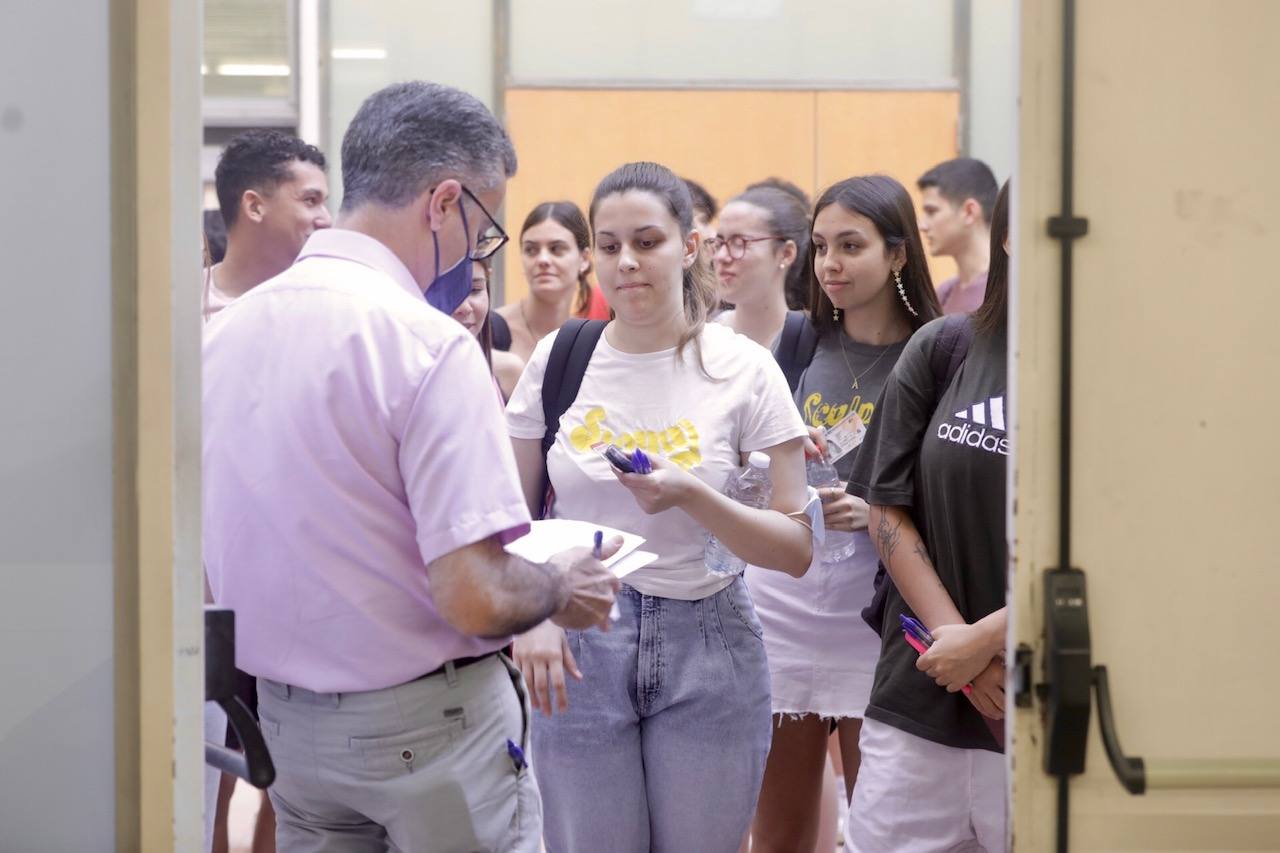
(751,488)
(838,545)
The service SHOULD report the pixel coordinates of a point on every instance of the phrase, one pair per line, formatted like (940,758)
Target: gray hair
(409,136)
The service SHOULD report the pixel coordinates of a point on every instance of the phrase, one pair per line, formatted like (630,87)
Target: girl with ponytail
(657,738)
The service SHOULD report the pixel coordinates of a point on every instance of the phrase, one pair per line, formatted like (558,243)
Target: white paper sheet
(550,536)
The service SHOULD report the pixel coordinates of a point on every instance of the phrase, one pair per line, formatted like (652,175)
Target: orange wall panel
(568,139)
(900,134)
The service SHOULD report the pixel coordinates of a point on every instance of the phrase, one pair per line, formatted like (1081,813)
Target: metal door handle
(1138,775)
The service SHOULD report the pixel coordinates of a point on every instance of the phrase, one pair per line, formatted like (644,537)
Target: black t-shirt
(946,464)
(825,394)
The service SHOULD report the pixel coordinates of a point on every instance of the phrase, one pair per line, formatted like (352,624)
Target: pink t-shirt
(957,298)
(350,439)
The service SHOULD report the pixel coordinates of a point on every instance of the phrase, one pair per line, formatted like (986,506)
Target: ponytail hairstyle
(699,280)
(786,216)
(886,203)
(993,314)
(568,215)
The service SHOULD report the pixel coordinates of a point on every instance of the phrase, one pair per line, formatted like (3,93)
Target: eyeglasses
(737,244)
(492,239)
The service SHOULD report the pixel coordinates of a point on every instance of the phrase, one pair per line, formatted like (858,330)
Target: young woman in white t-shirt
(658,739)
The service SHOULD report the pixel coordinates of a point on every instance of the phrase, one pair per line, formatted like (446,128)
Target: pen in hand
(596,551)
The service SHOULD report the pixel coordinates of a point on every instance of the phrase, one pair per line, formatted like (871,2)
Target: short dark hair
(962,179)
(703,201)
(257,160)
(408,136)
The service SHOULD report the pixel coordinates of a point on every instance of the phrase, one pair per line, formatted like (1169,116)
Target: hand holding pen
(592,587)
(597,552)
(919,638)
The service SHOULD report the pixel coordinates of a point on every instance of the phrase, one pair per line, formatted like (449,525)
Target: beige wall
(1176,460)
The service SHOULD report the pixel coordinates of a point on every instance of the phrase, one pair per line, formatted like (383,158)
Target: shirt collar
(360,248)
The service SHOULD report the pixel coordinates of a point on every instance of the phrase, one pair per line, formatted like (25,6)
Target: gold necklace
(856,377)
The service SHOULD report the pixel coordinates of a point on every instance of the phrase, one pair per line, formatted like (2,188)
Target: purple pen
(919,631)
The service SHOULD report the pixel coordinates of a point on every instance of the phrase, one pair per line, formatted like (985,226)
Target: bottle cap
(758,459)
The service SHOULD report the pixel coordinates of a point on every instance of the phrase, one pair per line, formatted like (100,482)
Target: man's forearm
(526,594)
(483,591)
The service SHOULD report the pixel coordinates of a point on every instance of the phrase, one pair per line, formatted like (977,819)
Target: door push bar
(254,765)
(1069,678)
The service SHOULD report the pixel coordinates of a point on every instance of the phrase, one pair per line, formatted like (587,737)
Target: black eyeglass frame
(482,252)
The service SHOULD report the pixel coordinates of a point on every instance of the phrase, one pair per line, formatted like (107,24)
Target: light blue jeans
(664,743)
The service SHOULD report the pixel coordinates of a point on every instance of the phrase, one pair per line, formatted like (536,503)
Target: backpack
(795,347)
(950,348)
(567,364)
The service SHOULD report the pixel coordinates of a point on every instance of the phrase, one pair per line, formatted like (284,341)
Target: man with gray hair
(359,487)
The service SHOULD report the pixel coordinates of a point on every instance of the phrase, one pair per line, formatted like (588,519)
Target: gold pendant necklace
(856,376)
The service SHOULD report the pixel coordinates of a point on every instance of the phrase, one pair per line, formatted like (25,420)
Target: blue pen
(516,754)
(596,551)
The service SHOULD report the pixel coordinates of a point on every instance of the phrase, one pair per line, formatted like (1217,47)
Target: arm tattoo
(887,536)
(923,553)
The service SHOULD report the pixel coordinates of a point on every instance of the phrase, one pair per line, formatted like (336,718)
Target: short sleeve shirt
(947,465)
(669,407)
(351,437)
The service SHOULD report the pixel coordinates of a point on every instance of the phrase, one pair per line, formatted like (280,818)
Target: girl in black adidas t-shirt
(932,468)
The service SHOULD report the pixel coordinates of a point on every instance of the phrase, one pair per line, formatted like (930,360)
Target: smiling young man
(272,191)
(956,201)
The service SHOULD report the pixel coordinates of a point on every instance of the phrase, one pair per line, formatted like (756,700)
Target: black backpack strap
(795,347)
(567,364)
(950,348)
(500,331)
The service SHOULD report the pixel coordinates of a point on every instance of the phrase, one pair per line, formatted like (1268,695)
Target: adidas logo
(982,427)
(978,413)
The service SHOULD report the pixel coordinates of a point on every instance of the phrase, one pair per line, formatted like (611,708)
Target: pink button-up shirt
(351,437)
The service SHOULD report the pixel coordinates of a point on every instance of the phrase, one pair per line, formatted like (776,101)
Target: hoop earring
(902,292)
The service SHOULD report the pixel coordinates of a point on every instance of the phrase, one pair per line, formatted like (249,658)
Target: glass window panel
(248,51)
(788,41)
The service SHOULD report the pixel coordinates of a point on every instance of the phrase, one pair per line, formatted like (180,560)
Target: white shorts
(917,796)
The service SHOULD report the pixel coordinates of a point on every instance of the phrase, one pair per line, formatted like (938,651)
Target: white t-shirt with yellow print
(668,408)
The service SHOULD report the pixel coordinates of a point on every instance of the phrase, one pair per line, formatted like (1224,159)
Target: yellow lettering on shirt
(679,442)
(821,414)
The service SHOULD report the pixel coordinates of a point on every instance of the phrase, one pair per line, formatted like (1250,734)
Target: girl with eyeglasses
(760,254)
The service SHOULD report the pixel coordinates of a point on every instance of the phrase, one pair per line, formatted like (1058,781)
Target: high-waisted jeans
(664,743)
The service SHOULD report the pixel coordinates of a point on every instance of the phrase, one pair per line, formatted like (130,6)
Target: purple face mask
(450,288)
